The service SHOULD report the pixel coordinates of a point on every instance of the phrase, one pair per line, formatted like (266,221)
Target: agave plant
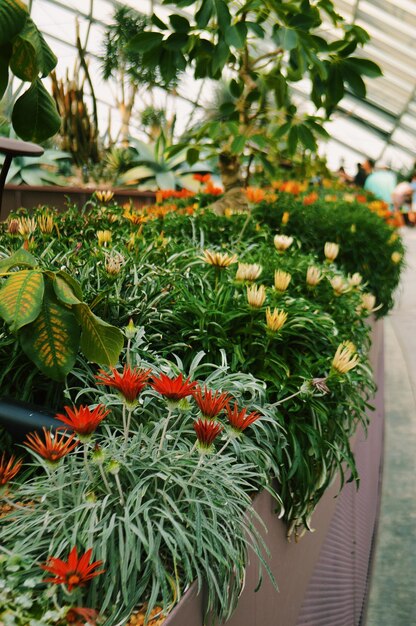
(153,168)
(37,171)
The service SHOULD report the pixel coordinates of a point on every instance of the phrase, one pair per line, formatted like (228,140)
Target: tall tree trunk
(234,197)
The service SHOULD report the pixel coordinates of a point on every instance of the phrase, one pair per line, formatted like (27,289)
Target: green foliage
(51,322)
(38,171)
(223,37)
(24,51)
(366,241)
(155,167)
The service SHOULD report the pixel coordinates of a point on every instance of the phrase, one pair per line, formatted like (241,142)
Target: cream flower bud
(276,319)
(218,259)
(344,359)
(256,295)
(104,237)
(368,302)
(281,280)
(313,276)
(355,280)
(338,285)
(396,257)
(248,271)
(282,242)
(331,250)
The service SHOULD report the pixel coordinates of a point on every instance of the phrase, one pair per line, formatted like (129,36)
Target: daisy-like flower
(218,259)
(338,285)
(282,242)
(75,572)
(54,447)
(173,389)
(206,432)
(79,616)
(113,263)
(276,319)
(27,225)
(9,467)
(396,257)
(368,302)
(104,195)
(281,280)
(344,359)
(331,250)
(104,237)
(256,295)
(248,271)
(238,418)
(130,383)
(45,223)
(210,403)
(313,276)
(355,280)
(13,227)
(83,420)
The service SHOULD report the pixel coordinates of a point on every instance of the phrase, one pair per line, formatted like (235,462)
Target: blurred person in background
(381,182)
(363,171)
(402,198)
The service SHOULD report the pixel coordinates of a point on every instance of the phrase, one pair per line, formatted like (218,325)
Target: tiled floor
(393,588)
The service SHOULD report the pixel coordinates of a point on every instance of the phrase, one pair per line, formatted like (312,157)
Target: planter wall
(323,579)
(16,196)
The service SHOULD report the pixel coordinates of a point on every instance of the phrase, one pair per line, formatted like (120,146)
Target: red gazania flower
(75,572)
(210,403)
(54,447)
(130,383)
(239,420)
(173,389)
(206,432)
(202,178)
(82,419)
(9,467)
(78,616)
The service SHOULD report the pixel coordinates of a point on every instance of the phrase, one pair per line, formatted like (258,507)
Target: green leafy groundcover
(157,509)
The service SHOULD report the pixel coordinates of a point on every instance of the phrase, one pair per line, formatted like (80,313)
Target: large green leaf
(19,258)
(21,298)
(64,291)
(31,54)
(52,340)
(5,52)
(35,117)
(13,15)
(100,342)
(144,42)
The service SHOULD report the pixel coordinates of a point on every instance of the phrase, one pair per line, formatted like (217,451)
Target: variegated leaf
(100,342)
(52,340)
(63,291)
(20,258)
(21,298)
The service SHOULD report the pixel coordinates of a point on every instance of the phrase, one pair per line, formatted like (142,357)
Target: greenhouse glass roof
(383,126)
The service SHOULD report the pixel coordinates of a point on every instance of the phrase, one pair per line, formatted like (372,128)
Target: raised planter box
(323,579)
(16,196)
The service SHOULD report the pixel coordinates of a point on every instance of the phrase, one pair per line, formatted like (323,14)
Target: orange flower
(202,178)
(310,198)
(239,420)
(130,383)
(212,189)
(83,420)
(9,467)
(210,403)
(54,447)
(206,432)
(75,572)
(254,194)
(173,389)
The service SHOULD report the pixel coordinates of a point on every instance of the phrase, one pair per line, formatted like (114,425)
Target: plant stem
(221,450)
(105,481)
(87,466)
(285,399)
(128,422)
(165,427)
(126,434)
(120,491)
(128,358)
